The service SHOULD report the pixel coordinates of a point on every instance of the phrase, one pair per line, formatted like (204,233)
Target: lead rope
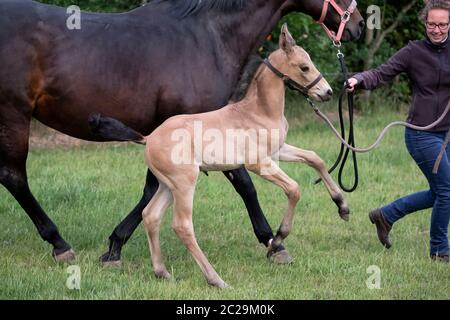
(343,153)
(384,131)
(351,136)
(350,145)
(443,148)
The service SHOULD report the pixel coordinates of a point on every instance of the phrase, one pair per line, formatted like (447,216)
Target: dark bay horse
(165,58)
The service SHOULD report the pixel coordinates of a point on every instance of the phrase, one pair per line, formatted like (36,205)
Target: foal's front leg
(293,154)
(270,171)
(242,183)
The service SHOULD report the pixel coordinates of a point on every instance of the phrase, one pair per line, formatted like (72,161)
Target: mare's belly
(71,116)
(218,167)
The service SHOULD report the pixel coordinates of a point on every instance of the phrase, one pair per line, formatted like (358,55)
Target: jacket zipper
(436,109)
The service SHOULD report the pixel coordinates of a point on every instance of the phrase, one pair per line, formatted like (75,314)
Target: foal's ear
(287,42)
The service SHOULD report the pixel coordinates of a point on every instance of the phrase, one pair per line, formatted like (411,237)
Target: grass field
(87,190)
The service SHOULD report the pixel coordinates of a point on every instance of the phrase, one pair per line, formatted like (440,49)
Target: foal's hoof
(163,274)
(219,284)
(109,261)
(344,213)
(280,257)
(223,285)
(345,216)
(65,257)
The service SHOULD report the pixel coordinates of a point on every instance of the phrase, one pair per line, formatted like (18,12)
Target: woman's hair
(434,4)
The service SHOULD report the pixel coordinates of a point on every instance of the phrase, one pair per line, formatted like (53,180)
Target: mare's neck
(247,30)
(240,34)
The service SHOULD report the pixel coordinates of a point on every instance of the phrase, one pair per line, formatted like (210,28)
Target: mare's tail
(113,130)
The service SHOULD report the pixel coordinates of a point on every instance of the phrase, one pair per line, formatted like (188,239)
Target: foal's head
(294,62)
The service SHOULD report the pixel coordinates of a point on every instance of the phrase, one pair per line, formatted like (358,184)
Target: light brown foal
(176,152)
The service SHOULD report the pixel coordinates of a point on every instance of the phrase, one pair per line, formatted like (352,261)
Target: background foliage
(311,36)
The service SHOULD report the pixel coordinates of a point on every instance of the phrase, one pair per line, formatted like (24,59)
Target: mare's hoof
(65,257)
(109,261)
(111,264)
(280,257)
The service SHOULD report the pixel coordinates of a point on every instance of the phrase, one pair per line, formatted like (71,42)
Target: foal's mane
(186,8)
(247,75)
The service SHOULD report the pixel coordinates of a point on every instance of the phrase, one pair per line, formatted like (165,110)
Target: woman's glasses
(441,26)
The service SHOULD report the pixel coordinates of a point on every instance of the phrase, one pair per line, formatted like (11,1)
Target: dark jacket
(428,68)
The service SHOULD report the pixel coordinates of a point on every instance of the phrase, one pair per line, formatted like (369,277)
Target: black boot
(440,257)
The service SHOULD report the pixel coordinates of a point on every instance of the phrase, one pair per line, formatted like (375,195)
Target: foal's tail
(113,130)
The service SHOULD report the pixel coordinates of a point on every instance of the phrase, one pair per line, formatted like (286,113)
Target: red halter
(345,17)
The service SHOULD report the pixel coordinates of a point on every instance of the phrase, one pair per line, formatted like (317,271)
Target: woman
(427,64)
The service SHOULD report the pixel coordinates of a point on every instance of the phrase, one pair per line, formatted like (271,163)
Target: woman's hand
(351,83)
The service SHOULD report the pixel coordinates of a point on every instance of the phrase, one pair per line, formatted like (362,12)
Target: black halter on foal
(291,84)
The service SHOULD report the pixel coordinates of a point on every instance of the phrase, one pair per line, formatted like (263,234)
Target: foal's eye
(304,69)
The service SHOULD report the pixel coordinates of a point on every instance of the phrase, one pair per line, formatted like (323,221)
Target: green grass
(88,190)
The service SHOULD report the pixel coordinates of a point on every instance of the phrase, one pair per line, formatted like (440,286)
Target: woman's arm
(374,78)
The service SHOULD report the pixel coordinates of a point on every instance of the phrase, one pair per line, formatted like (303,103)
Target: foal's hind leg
(292,154)
(152,216)
(14,133)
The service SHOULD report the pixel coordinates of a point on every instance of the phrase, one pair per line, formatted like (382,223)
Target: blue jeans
(424,148)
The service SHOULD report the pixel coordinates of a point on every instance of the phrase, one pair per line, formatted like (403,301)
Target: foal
(176,154)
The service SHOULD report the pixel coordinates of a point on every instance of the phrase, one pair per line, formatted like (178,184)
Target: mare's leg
(270,171)
(14,134)
(293,154)
(242,183)
(152,215)
(125,229)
